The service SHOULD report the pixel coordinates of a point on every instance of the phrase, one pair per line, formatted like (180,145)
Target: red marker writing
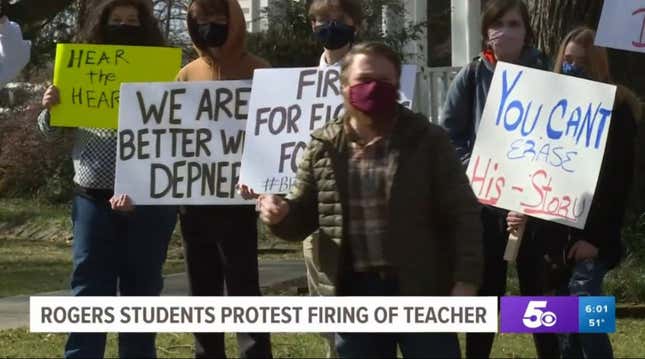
(641,42)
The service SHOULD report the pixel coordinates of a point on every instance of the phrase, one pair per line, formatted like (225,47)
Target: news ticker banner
(558,314)
(323,314)
(266,314)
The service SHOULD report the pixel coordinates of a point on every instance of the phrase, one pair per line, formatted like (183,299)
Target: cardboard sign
(88,78)
(286,106)
(540,144)
(181,143)
(622,25)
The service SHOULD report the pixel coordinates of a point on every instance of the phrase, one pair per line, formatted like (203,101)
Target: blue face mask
(573,70)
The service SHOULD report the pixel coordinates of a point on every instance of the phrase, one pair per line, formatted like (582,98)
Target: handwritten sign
(181,143)
(622,25)
(540,144)
(88,78)
(286,106)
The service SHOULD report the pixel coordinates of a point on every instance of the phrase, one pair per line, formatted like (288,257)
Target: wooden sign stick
(513,244)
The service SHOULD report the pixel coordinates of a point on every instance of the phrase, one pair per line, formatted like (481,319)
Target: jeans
(384,345)
(530,272)
(113,250)
(221,252)
(586,279)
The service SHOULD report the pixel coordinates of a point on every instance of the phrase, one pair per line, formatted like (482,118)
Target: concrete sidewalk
(14,311)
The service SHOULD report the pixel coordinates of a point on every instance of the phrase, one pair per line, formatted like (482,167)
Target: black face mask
(124,35)
(334,35)
(212,34)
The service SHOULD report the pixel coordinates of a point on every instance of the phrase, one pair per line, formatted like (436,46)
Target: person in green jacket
(393,208)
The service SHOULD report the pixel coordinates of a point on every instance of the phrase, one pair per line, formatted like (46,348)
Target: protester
(507,37)
(335,24)
(14,51)
(116,246)
(394,211)
(220,242)
(583,257)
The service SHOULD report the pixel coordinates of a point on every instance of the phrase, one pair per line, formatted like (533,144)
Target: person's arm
(44,125)
(460,211)
(50,99)
(457,112)
(14,51)
(302,216)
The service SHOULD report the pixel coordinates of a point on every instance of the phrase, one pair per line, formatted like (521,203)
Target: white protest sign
(286,106)
(622,25)
(181,142)
(540,144)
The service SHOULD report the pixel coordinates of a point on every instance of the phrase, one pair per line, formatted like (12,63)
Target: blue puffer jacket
(462,111)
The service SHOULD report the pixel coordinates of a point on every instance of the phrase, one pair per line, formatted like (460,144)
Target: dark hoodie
(462,110)
(235,62)
(604,224)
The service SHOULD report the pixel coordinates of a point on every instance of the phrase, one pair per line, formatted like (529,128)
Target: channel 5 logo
(539,314)
(536,315)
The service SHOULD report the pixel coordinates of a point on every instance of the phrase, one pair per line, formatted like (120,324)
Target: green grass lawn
(34,266)
(28,267)
(627,342)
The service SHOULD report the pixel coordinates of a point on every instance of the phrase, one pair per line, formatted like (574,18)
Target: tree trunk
(553,19)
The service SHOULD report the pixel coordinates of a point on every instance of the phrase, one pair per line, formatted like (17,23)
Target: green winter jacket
(435,229)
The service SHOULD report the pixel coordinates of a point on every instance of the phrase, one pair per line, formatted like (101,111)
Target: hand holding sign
(121,203)
(246,192)
(515,220)
(51,97)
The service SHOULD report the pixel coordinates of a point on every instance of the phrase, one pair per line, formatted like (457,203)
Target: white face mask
(506,42)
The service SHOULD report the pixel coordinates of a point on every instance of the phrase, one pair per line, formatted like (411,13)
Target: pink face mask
(506,43)
(374,98)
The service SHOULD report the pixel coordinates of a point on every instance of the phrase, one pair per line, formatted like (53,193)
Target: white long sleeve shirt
(14,51)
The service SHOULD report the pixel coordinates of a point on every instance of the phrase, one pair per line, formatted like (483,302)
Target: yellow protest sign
(88,78)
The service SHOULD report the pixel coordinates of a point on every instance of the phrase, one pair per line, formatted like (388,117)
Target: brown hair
(496,9)
(210,7)
(370,48)
(353,8)
(597,64)
(95,30)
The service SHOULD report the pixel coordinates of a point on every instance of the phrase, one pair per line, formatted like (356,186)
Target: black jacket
(604,224)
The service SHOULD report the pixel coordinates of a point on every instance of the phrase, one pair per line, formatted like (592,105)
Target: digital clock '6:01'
(597,314)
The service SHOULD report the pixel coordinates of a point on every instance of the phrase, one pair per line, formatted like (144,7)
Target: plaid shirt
(370,179)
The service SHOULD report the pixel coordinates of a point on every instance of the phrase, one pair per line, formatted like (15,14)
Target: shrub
(30,164)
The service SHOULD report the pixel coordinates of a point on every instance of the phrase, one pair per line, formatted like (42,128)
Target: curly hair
(94,32)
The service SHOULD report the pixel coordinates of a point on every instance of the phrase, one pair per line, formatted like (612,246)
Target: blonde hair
(597,64)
